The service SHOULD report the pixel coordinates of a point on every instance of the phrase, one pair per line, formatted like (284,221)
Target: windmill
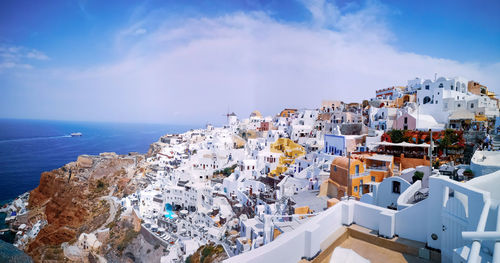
(228,115)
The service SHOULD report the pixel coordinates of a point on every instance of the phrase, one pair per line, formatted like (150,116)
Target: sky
(190,62)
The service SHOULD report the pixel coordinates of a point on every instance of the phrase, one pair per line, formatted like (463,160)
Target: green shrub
(417,176)
(397,136)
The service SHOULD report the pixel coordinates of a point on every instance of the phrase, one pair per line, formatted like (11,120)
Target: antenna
(435,76)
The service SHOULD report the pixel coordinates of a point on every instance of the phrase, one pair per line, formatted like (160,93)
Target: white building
(443,96)
(386,193)
(452,218)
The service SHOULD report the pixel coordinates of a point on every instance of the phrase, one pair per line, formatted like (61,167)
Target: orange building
(476,88)
(287,112)
(366,169)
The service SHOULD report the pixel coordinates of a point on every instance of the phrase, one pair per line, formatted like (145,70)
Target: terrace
(368,245)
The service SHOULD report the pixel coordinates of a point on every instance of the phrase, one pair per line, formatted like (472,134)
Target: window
(427,99)
(441,85)
(426,86)
(406,120)
(373,178)
(396,187)
(357,169)
(458,105)
(451,87)
(472,105)
(335,168)
(355,189)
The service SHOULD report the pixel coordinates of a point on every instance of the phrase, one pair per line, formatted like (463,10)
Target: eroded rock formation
(70,199)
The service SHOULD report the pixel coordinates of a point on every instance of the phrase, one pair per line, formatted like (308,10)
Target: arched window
(427,99)
(441,85)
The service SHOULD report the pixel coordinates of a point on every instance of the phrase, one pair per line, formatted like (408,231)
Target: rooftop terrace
(367,244)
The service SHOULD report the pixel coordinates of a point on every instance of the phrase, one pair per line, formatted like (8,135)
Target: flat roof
(376,249)
(381,157)
(311,199)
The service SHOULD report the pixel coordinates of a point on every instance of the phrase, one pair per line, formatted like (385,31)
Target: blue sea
(30,147)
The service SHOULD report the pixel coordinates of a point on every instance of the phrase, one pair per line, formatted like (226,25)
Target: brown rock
(71,205)
(84,161)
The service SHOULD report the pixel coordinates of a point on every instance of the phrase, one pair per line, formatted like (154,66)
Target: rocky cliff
(70,199)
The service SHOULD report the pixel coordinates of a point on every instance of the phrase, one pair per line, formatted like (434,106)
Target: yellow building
(290,151)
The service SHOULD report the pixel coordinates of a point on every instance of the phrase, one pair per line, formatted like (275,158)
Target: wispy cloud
(324,13)
(140,31)
(12,57)
(82,5)
(35,54)
(13,65)
(198,67)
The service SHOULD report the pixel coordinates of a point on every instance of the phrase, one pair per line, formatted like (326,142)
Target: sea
(30,147)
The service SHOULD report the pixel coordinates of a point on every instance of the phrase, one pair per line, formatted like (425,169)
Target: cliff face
(69,199)
(207,254)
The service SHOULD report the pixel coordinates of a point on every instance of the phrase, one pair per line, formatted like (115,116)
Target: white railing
(480,235)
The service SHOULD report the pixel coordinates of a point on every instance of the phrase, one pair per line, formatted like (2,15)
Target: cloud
(193,70)
(18,57)
(324,13)
(13,65)
(82,6)
(35,54)
(140,31)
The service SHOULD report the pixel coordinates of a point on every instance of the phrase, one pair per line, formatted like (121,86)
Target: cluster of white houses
(444,102)
(289,187)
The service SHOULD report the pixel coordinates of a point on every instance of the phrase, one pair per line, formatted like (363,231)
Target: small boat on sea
(76,134)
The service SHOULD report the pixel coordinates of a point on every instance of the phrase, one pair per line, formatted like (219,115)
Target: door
(454,221)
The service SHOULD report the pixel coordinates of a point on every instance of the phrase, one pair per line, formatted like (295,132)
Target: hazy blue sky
(189,61)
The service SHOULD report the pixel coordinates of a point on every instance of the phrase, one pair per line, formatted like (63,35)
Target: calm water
(30,147)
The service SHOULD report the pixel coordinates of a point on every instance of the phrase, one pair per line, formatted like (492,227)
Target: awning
(404,144)
(481,118)
(380,157)
(462,115)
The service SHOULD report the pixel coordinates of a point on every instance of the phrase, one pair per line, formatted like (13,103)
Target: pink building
(405,121)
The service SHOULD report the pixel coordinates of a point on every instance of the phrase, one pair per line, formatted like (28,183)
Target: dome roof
(341,161)
(255,113)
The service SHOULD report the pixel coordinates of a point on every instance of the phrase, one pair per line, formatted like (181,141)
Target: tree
(417,176)
(397,136)
(450,137)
